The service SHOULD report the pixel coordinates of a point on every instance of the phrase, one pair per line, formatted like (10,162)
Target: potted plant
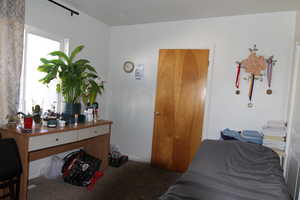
(78,80)
(28,120)
(36,113)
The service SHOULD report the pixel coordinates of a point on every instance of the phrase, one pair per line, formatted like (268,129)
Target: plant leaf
(75,52)
(56,62)
(82,62)
(62,55)
(91,68)
(58,88)
(91,75)
(45,68)
(44,60)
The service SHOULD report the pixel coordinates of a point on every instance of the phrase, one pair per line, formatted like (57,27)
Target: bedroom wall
(132,102)
(298,26)
(80,29)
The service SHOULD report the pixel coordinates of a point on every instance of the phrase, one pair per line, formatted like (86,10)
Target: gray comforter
(231,170)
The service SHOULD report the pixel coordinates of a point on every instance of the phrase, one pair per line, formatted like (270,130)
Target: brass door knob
(157,113)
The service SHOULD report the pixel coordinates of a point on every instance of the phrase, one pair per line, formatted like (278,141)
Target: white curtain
(12,17)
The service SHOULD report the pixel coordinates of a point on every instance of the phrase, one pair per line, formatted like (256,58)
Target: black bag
(79,168)
(116,159)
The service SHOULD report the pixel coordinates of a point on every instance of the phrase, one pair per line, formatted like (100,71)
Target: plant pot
(71,109)
(28,123)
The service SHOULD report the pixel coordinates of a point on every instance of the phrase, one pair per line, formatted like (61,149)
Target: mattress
(231,170)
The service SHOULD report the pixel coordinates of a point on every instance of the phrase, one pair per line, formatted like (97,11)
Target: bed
(231,170)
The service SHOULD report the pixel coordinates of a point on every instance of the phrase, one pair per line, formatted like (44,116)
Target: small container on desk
(28,121)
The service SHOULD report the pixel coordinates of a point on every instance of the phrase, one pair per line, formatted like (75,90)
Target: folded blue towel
(252,136)
(244,136)
(228,134)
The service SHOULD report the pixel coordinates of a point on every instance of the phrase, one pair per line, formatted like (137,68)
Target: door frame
(291,161)
(207,106)
(290,129)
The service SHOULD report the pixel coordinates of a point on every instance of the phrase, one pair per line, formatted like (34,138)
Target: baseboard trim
(138,159)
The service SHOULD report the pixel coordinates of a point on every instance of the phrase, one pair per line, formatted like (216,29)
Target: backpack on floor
(79,168)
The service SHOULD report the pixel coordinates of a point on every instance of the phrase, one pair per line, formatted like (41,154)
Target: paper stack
(275,135)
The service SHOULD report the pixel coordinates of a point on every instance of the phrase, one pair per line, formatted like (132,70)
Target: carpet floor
(132,181)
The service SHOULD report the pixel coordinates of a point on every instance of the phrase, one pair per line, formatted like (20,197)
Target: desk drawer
(93,132)
(50,140)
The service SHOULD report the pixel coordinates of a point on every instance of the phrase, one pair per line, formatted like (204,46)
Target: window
(38,45)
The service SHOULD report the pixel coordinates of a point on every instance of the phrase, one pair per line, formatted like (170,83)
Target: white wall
(132,102)
(298,27)
(295,120)
(80,29)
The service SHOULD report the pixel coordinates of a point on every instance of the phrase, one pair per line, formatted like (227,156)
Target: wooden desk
(43,142)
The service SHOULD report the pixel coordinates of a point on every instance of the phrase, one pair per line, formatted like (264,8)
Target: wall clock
(128,66)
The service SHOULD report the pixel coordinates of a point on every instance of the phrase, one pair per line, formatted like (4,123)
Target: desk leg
(23,150)
(24,180)
(99,148)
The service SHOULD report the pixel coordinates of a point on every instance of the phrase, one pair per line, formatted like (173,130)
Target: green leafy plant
(77,79)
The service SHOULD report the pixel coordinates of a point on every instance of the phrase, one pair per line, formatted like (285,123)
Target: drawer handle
(56,139)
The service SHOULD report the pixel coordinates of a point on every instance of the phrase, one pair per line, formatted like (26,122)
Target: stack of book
(275,136)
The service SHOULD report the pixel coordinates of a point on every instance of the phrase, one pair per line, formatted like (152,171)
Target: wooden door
(179,108)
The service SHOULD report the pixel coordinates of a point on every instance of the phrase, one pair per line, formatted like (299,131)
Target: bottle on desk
(89,114)
(76,120)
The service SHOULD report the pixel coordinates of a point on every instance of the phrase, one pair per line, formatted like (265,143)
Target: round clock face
(128,66)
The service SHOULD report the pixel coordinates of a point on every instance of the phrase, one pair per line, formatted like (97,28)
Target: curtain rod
(69,9)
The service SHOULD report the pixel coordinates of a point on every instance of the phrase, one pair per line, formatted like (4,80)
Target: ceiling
(128,12)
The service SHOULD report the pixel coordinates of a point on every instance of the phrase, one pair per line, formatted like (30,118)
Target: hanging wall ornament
(254,65)
(250,95)
(271,62)
(237,80)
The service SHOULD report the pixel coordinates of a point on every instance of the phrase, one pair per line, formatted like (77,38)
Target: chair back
(10,163)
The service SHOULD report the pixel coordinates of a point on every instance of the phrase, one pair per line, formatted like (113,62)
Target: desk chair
(10,168)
